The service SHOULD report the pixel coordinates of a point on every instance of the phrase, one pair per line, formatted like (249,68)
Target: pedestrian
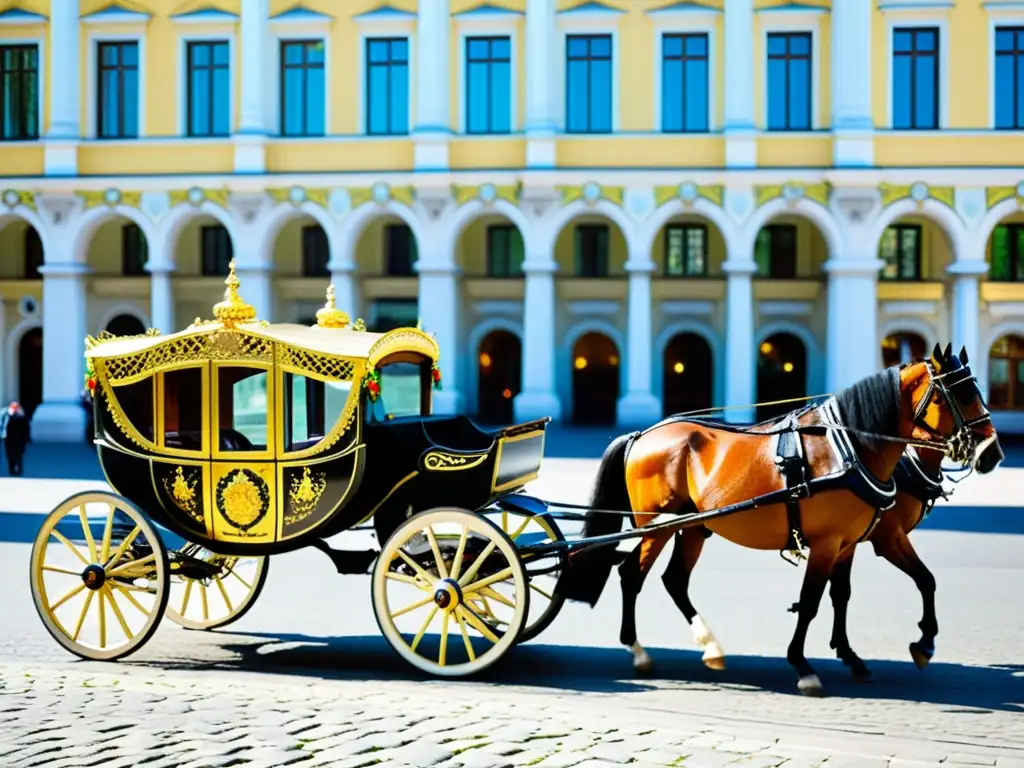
(16,434)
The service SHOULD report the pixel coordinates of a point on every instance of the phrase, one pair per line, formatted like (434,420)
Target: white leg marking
(642,662)
(714,656)
(810,685)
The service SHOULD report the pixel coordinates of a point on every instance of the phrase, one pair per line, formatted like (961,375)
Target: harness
(914,478)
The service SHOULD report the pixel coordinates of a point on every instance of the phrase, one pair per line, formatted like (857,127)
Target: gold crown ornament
(329,316)
(233,310)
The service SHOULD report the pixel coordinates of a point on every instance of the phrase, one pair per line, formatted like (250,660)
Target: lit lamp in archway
(580,363)
(787,367)
(766,348)
(679,367)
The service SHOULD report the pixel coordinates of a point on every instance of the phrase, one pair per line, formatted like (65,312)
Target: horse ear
(947,352)
(937,356)
(963,355)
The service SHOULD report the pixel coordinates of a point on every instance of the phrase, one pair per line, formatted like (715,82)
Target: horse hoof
(645,666)
(862,676)
(810,685)
(716,663)
(920,656)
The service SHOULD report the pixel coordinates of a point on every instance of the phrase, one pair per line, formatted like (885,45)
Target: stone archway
(500,377)
(903,347)
(126,325)
(688,374)
(781,373)
(595,379)
(30,370)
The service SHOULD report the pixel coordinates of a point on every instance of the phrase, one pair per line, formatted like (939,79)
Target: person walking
(16,434)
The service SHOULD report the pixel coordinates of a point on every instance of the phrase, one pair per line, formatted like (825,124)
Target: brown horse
(837,459)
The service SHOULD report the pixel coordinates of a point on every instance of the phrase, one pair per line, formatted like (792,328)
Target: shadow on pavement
(609,670)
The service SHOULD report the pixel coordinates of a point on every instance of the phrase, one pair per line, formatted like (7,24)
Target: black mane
(872,405)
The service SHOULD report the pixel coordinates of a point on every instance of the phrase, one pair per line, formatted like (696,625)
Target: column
(540,91)
(740,144)
(538,397)
(433,111)
(254,124)
(967,311)
(740,378)
(161,299)
(60,418)
(851,83)
(6,389)
(439,308)
(257,288)
(342,266)
(639,406)
(61,153)
(853,349)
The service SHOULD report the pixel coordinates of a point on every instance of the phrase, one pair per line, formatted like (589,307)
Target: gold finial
(232,310)
(330,316)
(359,325)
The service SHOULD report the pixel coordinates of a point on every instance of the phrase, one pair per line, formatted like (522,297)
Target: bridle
(960,445)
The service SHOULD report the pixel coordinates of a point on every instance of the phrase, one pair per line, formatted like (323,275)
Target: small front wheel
(210,591)
(457,576)
(99,576)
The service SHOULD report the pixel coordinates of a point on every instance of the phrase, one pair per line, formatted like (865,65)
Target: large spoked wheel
(209,591)
(456,574)
(542,571)
(99,576)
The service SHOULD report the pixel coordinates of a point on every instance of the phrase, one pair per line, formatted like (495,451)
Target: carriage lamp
(580,363)
(678,367)
(787,367)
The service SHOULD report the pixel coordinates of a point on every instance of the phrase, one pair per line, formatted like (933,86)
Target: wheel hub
(447,595)
(94,577)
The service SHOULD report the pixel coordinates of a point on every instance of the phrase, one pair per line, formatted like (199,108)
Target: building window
(488,85)
(387,86)
(504,251)
(400,252)
(775,252)
(1009,91)
(900,249)
(592,250)
(118,90)
(303,91)
(684,83)
(33,254)
(209,88)
(686,250)
(315,251)
(1006,374)
(216,248)
(389,314)
(789,81)
(19,99)
(134,251)
(915,78)
(1007,259)
(588,84)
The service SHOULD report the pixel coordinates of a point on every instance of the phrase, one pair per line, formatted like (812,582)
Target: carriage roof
(332,337)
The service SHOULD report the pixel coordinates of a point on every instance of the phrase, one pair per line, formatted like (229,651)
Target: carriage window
(312,409)
(242,404)
(183,414)
(401,387)
(136,400)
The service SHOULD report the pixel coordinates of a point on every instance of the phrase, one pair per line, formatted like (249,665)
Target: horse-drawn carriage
(242,439)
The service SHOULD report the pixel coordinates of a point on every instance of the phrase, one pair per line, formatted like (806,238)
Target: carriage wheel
(456,574)
(536,529)
(99,576)
(220,599)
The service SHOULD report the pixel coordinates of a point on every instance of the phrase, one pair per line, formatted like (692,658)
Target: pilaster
(739,340)
(541,109)
(433,113)
(967,310)
(740,131)
(851,84)
(639,406)
(852,348)
(538,397)
(254,124)
(60,156)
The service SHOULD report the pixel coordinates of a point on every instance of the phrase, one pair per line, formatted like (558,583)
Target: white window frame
(684,21)
(222,30)
(40,43)
(801,20)
(301,27)
(999,15)
(586,22)
(904,13)
(496,24)
(377,25)
(133,30)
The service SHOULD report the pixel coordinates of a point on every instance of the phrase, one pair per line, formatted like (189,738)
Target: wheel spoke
(520,529)
(234,573)
(393,576)
(121,549)
(423,629)
(132,565)
(442,653)
(535,588)
(477,563)
(224,593)
(497,597)
(65,571)
(465,637)
(205,602)
(129,597)
(188,594)
(441,569)
(415,566)
(89,540)
(468,614)
(103,619)
(108,531)
(117,612)
(67,597)
(413,606)
(460,553)
(81,616)
(476,586)
(64,540)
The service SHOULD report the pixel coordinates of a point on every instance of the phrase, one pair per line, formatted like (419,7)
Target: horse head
(945,407)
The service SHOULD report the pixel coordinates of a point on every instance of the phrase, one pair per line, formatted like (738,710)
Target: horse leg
(820,562)
(689,543)
(900,552)
(632,572)
(840,591)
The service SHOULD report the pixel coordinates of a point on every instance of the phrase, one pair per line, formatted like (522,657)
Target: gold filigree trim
(243,498)
(438,461)
(304,495)
(182,491)
(401,340)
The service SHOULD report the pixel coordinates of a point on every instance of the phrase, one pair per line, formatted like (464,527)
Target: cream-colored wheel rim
(220,600)
(99,592)
(485,597)
(524,530)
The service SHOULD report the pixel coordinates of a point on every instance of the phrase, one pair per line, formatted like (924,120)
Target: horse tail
(585,573)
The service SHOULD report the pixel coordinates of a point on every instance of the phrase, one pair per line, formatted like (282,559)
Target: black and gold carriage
(234,440)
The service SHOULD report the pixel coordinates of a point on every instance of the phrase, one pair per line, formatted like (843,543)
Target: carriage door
(243,471)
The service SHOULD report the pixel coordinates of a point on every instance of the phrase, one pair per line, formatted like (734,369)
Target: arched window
(1006,374)
(902,347)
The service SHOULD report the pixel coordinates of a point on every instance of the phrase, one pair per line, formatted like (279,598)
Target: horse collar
(877,494)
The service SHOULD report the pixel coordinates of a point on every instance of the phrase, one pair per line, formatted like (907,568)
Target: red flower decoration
(435,375)
(373,387)
(90,384)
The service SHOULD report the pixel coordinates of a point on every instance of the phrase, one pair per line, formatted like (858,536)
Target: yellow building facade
(605,211)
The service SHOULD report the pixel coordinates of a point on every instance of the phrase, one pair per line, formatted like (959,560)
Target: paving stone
(841,760)
(476,759)
(965,758)
(422,753)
